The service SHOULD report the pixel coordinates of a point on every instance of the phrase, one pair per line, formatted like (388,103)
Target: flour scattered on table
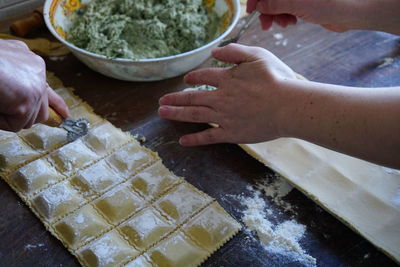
(31,246)
(278,238)
(280,40)
(278,36)
(281,238)
(276,190)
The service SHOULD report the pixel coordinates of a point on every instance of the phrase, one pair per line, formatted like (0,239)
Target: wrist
(288,117)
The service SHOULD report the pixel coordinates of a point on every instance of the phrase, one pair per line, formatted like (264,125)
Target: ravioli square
(176,251)
(140,261)
(56,201)
(146,228)
(152,181)
(95,179)
(129,158)
(107,251)
(119,204)
(43,137)
(71,157)
(105,137)
(211,227)
(84,111)
(14,152)
(182,202)
(69,98)
(81,226)
(35,175)
(6,134)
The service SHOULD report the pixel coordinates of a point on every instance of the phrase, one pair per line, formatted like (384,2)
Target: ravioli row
(110,200)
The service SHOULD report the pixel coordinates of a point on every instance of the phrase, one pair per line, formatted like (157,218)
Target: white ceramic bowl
(57,16)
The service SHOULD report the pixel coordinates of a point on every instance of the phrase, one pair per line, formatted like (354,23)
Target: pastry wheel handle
(27,25)
(54,119)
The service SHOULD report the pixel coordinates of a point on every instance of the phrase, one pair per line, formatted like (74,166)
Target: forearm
(381,15)
(363,122)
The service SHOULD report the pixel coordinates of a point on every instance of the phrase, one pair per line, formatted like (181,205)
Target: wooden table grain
(352,58)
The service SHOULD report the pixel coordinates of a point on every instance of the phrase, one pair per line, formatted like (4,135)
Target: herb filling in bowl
(143,29)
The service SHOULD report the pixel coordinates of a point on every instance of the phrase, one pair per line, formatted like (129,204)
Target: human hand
(245,106)
(24,93)
(335,15)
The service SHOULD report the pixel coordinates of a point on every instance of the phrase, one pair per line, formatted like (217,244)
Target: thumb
(236,53)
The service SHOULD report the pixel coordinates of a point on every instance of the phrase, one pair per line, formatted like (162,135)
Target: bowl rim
(235,19)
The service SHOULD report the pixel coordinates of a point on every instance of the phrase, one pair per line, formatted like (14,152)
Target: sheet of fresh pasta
(364,196)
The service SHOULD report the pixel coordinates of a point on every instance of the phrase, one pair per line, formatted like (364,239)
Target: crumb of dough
(140,29)
(140,138)
(386,61)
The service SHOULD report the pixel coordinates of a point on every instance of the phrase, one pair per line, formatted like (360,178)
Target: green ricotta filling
(139,29)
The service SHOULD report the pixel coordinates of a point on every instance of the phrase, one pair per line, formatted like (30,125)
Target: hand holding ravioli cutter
(75,128)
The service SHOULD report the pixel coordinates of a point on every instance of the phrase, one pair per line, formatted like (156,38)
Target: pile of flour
(282,238)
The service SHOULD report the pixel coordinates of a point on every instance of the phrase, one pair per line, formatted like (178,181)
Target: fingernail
(161,100)
(187,77)
(67,112)
(216,49)
(161,110)
(182,141)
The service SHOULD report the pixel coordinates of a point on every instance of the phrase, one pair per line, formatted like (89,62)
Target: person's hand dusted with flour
(24,93)
(260,99)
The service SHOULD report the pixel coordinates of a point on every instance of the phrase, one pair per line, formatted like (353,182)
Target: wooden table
(350,58)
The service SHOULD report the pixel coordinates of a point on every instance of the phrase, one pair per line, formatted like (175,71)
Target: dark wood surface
(350,58)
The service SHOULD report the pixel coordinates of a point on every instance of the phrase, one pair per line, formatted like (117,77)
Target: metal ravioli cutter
(75,128)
